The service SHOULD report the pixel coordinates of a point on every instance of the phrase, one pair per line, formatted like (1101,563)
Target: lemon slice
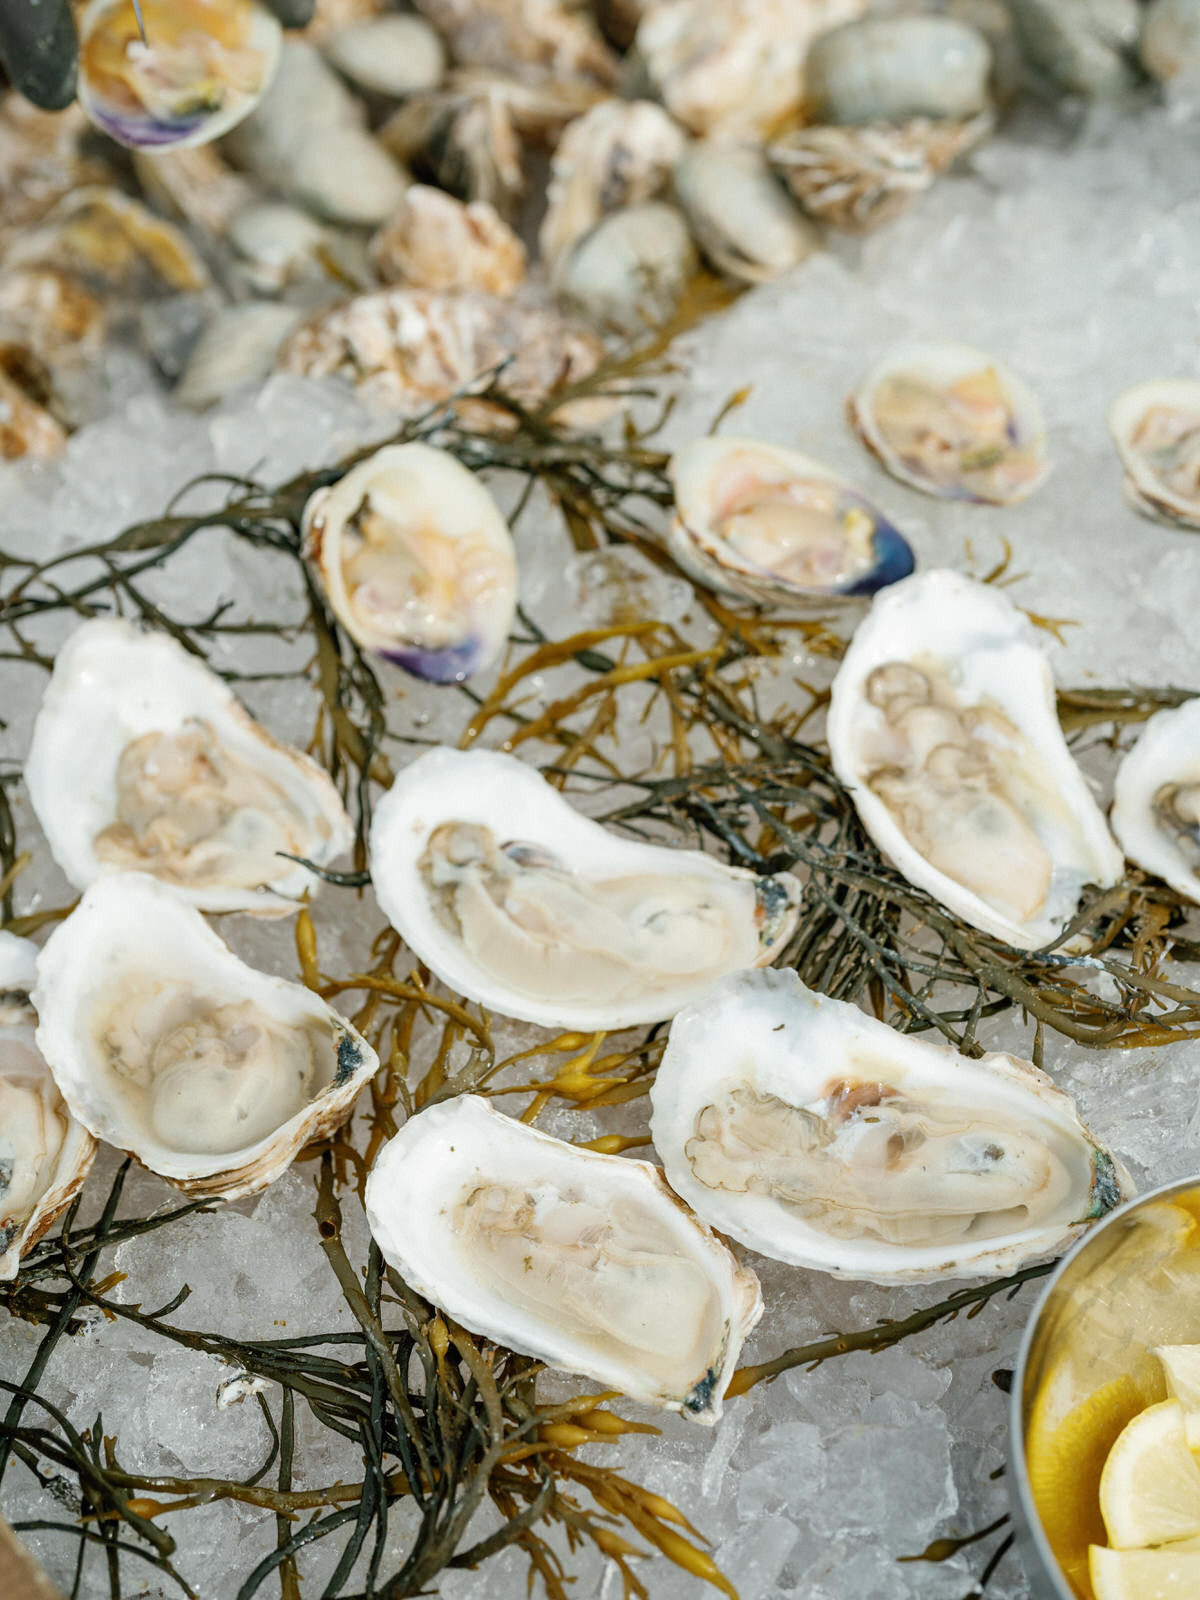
(1181,1368)
(1169,1573)
(1150,1486)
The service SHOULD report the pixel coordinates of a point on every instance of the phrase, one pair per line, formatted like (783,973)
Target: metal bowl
(1061,1317)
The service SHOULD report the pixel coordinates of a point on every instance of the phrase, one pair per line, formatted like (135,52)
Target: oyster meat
(416,560)
(821,1137)
(952,422)
(585,1261)
(1156,799)
(1156,428)
(760,521)
(519,902)
(143,760)
(943,726)
(164,1044)
(44,1153)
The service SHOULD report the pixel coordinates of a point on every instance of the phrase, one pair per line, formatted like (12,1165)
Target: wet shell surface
(819,1136)
(517,901)
(1156,799)
(416,560)
(943,727)
(952,422)
(202,66)
(44,1153)
(1156,428)
(586,1261)
(760,521)
(143,760)
(164,1044)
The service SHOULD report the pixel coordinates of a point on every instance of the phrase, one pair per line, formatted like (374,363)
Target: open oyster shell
(585,1261)
(943,726)
(143,760)
(44,1153)
(519,902)
(818,1136)
(164,1044)
(769,524)
(1156,799)
(1156,428)
(416,560)
(952,422)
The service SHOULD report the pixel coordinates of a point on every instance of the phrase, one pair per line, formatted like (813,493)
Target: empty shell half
(773,526)
(1156,799)
(814,1134)
(586,1261)
(1156,427)
(517,901)
(952,422)
(416,560)
(142,760)
(198,69)
(44,1153)
(943,726)
(163,1043)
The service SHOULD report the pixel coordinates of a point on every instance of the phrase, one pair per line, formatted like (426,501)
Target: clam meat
(585,1261)
(1156,799)
(519,902)
(1156,428)
(814,1134)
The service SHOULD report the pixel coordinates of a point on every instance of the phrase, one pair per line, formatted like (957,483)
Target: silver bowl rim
(1025,1512)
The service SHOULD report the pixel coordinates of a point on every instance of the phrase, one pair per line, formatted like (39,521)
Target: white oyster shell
(416,560)
(1156,428)
(164,1044)
(952,422)
(585,1261)
(1156,799)
(44,1153)
(821,1137)
(142,759)
(517,901)
(943,727)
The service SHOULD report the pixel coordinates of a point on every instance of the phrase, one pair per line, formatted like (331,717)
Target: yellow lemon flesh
(1170,1573)
(1150,1486)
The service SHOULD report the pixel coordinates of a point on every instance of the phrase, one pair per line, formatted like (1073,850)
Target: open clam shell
(1156,799)
(44,1153)
(774,526)
(163,1043)
(585,1261)
(519,902)
(1156,428)
(952,422)
(202,66)
(143,760)
(819,1136)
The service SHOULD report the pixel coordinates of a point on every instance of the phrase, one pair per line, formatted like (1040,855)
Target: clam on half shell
(143,760)
(1156,428)
(585,1261)
(44,1153)
(814,1134)
(943,727)
(1156,799)
(165,1045)
(517,901)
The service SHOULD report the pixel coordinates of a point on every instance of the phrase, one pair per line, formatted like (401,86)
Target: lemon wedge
(1169,1573)
(1181,1368)
(1150,1486)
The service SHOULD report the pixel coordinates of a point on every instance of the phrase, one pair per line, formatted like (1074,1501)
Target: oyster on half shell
(44,1153)
(819,1136)
(1156,428)
(943,727)
(142,760)
(1156,799)
(164,1044)
(519,902)
(586,1261)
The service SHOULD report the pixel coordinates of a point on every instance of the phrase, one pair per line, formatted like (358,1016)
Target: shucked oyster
(943,726)
(757,520)
(1156,799)
(164,1044)
(583,1260)
(816,1135)
(1156,427)
(516,900)
(44,1153)
(142,760)
(416,560)
(953,423)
